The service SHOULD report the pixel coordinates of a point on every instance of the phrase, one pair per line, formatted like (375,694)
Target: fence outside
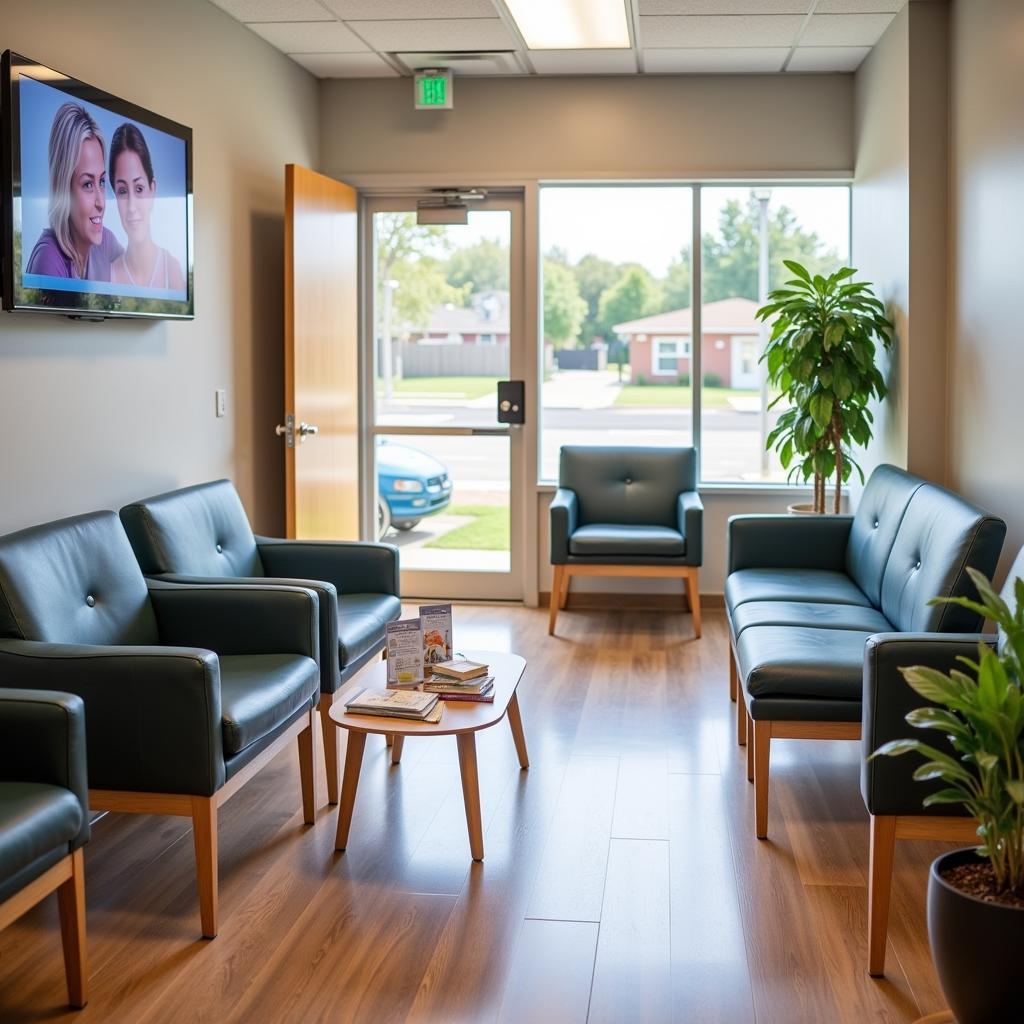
(412,360)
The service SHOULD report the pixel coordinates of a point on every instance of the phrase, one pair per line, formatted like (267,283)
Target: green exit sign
(433,90)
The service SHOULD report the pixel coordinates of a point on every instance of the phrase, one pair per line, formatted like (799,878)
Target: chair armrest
(563,511)
(232,619)
(886,782)
(354,567)
(42,739)
(788,542)
(691,525)
(152,714)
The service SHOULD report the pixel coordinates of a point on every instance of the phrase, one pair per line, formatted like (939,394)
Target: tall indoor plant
(976,896)
(821,357)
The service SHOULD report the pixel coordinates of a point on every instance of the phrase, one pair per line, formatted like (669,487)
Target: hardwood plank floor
(622,880)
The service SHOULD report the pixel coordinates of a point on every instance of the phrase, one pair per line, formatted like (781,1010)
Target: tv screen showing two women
(103,201)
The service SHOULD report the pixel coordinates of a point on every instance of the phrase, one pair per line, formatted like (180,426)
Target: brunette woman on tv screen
(76,244)
(144,263)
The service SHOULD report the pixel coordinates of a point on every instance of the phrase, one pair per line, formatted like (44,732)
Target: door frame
(520,584)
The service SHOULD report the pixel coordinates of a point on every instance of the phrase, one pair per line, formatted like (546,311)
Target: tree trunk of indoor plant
(976,947)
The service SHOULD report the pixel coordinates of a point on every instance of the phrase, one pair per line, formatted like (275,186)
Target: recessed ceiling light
(571,24)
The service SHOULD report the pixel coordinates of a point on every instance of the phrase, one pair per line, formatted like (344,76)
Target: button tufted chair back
(74,581)
(940,536)
(196,531)
(627,486)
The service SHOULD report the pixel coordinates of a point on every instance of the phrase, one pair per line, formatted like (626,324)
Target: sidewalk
(581,389)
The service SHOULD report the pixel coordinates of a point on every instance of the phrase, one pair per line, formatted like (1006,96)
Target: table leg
(471,793)
(515,721)
(396,749)
(353,762)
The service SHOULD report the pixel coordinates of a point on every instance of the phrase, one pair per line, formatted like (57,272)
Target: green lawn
(444,387)
(674,395)
(489,530)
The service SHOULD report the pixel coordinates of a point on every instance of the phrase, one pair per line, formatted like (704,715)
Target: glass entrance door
(444,325)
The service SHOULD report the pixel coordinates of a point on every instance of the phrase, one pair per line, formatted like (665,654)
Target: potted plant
(976,896)
(821,357)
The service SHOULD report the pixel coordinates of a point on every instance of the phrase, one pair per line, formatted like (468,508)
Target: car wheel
(405,525)
(383,517)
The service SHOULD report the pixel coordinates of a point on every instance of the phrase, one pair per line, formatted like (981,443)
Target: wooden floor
(622,880)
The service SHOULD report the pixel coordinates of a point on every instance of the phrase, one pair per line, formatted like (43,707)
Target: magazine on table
(405,652)
(436,620)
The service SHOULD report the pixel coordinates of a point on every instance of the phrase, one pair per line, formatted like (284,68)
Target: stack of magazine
(409,704)
(461,679)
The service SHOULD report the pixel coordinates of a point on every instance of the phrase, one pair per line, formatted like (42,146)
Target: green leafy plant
(981,713)
(821,357)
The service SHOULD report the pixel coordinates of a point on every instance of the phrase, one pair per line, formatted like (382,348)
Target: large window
(619,362)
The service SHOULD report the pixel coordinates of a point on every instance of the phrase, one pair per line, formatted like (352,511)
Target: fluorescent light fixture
(571,24)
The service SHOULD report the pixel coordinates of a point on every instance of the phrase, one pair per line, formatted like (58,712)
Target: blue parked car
(410,485)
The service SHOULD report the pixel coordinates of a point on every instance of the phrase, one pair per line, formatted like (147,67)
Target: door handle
(308,430)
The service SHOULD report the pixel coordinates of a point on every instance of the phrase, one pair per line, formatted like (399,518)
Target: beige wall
(93,415)
(555,127)
(900,225)
(986,366)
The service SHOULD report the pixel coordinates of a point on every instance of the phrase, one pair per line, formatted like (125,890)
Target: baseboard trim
(597,599)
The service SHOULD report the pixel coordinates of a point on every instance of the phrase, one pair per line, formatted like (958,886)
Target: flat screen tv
(97,200)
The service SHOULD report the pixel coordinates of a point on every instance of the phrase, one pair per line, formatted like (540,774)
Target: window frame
(696,187)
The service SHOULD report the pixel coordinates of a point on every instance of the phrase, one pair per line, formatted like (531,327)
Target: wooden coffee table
(461,719)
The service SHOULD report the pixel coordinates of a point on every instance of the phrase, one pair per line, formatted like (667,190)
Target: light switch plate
(221,401)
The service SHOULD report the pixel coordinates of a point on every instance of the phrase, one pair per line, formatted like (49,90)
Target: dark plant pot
(976,947)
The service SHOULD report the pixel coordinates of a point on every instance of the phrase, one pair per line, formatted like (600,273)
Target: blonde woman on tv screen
(144,263)
(76,244)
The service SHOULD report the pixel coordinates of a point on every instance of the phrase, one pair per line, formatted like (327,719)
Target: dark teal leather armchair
(805,594)
(624,511)
(44,817)
(188,691)
(201,534)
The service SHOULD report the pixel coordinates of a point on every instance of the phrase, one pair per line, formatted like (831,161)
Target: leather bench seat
(614,539)
(800,661)
(806,613)
(362,619)
(36,819)
(260,692)
(817,586)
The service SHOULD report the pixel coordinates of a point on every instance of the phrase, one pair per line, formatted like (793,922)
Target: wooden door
(321,359)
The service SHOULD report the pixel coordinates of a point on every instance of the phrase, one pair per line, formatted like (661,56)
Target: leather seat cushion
(800,661)
(361,622)
(35,819)
(259,692)
(610,539)
(815,586)
(808,613)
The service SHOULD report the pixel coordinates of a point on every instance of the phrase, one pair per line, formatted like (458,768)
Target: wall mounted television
(97,200)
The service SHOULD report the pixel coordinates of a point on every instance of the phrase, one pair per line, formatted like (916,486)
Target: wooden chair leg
(751,744)
(762,754)
(556,595)
(693,594)
(742,727)
(733,675)
(563,597)
(330,731)
(880,861)
(204,836)
(71,908)
(307,769)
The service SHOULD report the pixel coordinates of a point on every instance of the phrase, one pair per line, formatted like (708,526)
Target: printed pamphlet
(405,652)
(437,632)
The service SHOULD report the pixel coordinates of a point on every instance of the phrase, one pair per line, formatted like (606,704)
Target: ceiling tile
(845,29)
(311,37)
(828,58)
(440,34)
(726,6)
(724,31)
(345,65)
(372,10)
(859,6)
(583,62)
(275,10)
(715,59)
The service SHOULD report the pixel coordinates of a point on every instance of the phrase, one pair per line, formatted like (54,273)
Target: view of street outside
(617,344)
